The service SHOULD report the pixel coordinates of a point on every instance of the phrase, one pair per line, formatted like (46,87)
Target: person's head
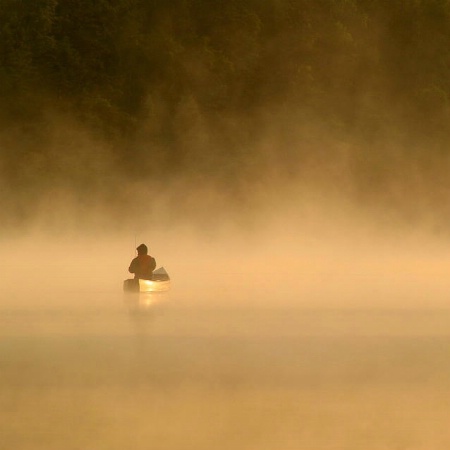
(142,249)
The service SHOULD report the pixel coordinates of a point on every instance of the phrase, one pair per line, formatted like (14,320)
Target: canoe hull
(160,282)
(146,286)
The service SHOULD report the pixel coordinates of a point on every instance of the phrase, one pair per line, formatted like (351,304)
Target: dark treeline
(180,86)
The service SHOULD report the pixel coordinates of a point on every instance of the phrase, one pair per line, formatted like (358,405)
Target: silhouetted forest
(225,89)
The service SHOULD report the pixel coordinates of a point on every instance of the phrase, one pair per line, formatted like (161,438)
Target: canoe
(159,283)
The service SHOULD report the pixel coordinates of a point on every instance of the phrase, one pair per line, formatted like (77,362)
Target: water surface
(226,378)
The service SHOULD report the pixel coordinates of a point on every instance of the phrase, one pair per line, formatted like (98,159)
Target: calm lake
(223,378)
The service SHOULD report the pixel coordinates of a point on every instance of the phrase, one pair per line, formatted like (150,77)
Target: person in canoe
(143,265)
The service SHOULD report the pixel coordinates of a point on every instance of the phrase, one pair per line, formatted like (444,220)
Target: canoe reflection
(145,302)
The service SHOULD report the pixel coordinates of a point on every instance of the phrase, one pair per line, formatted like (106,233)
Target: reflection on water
(145,303)
(180,378)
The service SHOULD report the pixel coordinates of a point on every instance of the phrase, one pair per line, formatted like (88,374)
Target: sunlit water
(223,378)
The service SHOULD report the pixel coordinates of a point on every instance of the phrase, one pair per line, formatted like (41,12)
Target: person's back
(143,265)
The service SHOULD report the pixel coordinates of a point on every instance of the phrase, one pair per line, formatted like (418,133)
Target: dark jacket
(142,266)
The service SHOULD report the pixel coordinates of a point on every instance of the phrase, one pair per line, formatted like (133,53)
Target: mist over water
(313,331)
(299,316)
(286,163)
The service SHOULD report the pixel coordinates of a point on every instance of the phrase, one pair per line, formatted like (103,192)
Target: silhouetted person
(143,265)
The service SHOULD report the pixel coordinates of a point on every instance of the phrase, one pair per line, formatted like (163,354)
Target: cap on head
(142,249)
